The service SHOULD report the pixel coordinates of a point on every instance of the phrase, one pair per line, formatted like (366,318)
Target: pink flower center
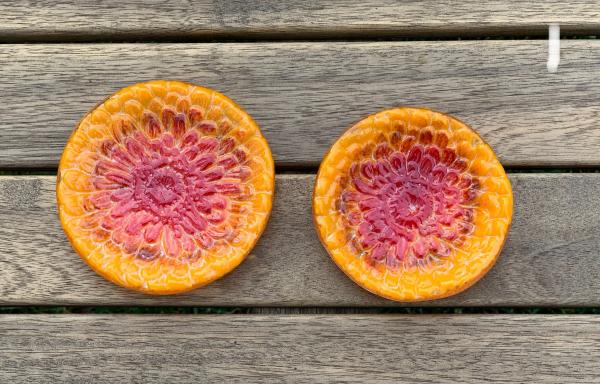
(159,189)
(408,206)
(169,193)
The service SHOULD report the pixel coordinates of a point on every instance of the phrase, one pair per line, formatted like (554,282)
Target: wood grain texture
(299,349)
(550,258)
(130,19)
(304,95)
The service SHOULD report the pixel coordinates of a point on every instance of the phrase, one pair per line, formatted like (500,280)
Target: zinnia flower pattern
(409,206)
(412,204)
(165,186)
(169,196)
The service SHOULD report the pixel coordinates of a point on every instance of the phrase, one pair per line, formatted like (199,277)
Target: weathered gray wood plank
(550,258)
(304,95)
(299,349)
(127,19)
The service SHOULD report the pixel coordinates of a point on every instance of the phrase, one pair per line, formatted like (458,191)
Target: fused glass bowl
(165,186)
(412,204)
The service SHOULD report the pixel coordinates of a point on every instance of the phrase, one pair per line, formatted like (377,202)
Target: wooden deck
(107,20)
(304,102)
(306,72)
(300,349)
(547,261)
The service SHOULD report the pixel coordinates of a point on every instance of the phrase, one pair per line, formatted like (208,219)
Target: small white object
(553,48)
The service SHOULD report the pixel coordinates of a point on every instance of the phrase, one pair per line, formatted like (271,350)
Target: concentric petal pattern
(412,204)
(165,187)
